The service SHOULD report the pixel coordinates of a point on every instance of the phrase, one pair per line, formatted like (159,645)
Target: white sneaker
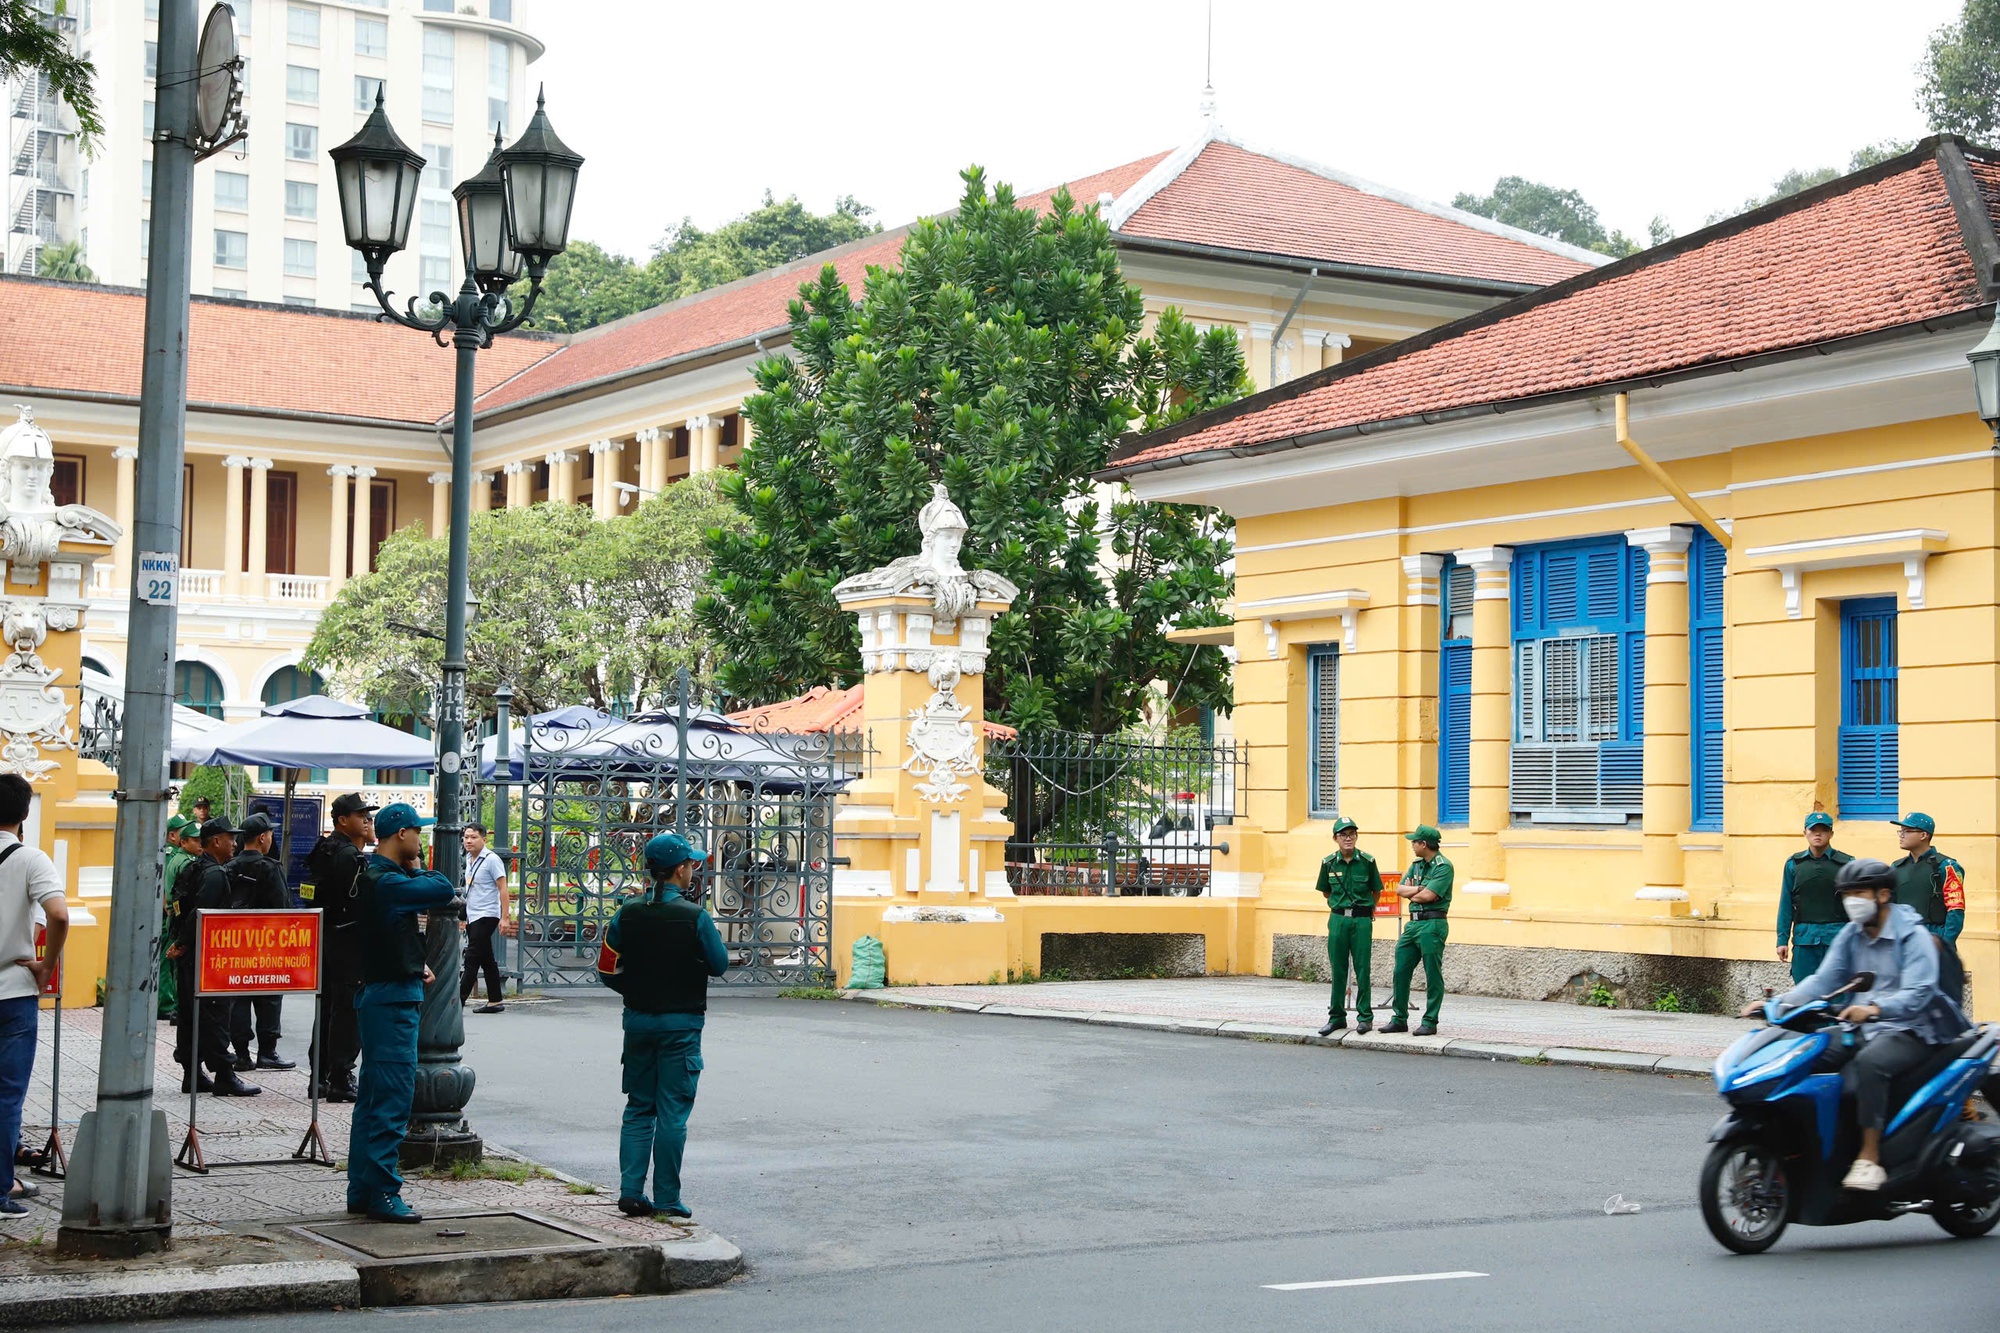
(1864,1175)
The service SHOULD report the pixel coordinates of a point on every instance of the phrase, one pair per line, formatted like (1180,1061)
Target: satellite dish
(218,89)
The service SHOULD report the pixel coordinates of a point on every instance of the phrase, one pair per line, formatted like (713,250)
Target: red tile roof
(1233,198)
(823,708)
(739,311)
(1879,250)
(63,337)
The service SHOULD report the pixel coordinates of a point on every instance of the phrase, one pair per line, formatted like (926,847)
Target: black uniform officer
(257,884)
(204,886)
(336,864)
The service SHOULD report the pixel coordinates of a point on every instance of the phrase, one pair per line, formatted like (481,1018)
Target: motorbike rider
(1902,1017)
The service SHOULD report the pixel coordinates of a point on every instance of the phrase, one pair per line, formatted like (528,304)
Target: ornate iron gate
(760,804)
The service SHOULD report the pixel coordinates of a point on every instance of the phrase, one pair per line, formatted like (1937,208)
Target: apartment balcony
(209,586)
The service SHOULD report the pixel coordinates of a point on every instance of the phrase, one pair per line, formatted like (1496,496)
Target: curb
(1635,1062)
(161,1293)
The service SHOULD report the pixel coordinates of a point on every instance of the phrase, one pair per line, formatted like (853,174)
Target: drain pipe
(1286,322)
(1659,474)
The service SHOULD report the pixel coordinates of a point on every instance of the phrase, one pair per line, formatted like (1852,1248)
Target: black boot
(338,1089)
(229,1083)
(272,1060)
(245,1062)
(1333,1025)
(203,1083)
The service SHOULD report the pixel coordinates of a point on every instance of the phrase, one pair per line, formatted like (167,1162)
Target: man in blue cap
(1927,879)
(389,893)
(659,953)
(1809,913)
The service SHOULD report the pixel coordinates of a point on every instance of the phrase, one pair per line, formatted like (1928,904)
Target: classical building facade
(266,218)
(1619,680)
(312,434)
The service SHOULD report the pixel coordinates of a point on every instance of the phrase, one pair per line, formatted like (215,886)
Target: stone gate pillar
(923,829)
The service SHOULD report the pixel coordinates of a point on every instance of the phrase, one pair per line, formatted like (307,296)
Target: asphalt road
(888,1170)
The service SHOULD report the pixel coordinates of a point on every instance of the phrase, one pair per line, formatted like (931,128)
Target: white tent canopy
(311,732)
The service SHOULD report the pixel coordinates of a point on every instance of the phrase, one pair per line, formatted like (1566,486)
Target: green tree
(30,41)
(570,609)
(1563,215)
(1959,91)
(589,285)
(64,261)
(1002,358)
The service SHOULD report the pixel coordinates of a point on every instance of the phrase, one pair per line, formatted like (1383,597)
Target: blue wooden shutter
(1707,567)
(1869,753)
(1323,665)
(1454,731)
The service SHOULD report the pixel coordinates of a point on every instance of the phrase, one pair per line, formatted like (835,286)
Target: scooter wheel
(1745,1195)
(1966,1221)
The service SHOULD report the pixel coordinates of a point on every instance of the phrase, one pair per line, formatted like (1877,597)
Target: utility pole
(119,1198)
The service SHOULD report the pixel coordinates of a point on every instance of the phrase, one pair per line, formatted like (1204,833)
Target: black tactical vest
(1814,903)
(391,951)
(661,966)
(1917,886)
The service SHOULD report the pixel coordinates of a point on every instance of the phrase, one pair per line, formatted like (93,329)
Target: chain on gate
(596,788)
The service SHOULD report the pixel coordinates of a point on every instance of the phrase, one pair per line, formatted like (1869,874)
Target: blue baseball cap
(1922,823)
(393,819)
(1819,819)
(664,851)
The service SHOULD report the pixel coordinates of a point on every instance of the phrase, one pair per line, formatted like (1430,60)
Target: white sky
(695,107)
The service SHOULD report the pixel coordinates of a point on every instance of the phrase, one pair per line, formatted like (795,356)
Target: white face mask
(1859,910)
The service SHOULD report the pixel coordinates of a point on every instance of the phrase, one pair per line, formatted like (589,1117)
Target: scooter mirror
(1863,981)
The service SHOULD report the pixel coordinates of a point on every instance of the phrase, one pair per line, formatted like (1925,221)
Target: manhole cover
(479,1233)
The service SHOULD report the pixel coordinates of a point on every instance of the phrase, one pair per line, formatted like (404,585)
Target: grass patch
(808,993)
(582,1187)
(492,1168)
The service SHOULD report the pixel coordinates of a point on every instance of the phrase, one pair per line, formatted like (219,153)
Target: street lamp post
(1985,359)
(513,214)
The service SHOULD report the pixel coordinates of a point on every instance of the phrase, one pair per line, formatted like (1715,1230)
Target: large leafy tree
(1004,359)
(1563,215)
(589,285)
(570,609)
(30,42)
(1959,91)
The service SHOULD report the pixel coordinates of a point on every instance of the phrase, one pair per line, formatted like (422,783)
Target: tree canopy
(29,42)
(1959,88)
(1563,215)
(589,285)
(570,608)
(1003,358)
(64,262)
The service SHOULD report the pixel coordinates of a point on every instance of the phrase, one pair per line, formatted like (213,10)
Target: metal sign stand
(312,1147)
(54,1161)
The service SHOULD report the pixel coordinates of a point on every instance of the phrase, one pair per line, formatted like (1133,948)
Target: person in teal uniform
(391,889)
(659,953)
(1350,882)
(1426,885)
(1809,914)
(1927,879)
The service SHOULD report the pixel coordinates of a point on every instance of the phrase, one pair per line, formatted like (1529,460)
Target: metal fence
(760,804)
(1115,815)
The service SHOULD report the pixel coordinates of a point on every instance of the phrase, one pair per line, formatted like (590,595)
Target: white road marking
(1369,1281)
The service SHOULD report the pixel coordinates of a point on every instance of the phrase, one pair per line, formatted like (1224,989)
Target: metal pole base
(53,1161)
(435,1146)
(312,1148)
(190,1155)
(114,1242)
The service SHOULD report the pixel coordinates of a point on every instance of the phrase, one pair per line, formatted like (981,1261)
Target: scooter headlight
(1786,1058)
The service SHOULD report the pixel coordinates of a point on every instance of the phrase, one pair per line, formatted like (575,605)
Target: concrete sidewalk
(512,1231)
(1267,1008)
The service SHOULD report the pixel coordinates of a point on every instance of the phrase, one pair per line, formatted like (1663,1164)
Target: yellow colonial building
(1619,580)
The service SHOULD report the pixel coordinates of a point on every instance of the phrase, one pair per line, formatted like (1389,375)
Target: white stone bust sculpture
(953,589)
(32,524)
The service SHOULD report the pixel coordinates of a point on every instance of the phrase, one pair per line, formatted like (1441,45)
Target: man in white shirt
(28,880)
(485,906)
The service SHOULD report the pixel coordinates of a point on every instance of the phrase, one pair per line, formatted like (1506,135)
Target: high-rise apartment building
(266,217)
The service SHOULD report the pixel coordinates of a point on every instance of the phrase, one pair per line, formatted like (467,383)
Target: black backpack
(335,898)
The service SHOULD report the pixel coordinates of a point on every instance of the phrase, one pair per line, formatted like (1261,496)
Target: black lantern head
(540,172)
(490,256)
(377,175)
(1985,359)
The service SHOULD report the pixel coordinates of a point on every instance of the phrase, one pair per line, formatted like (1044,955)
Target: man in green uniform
(177,860)
(1928,880)
(1809,914)
(659,953)
(1350,882)
(1427,887)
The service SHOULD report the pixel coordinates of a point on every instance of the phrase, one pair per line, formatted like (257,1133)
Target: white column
(364,503)
(649,458)
(1491,747)
(336,553)
(232,523)
(257,585)
(125,456)
(482,492)
(518,482)
(604,483)
(562,476)
(440,503)
(699,460)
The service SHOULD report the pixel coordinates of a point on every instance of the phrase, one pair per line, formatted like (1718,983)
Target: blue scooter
(1787,1141)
